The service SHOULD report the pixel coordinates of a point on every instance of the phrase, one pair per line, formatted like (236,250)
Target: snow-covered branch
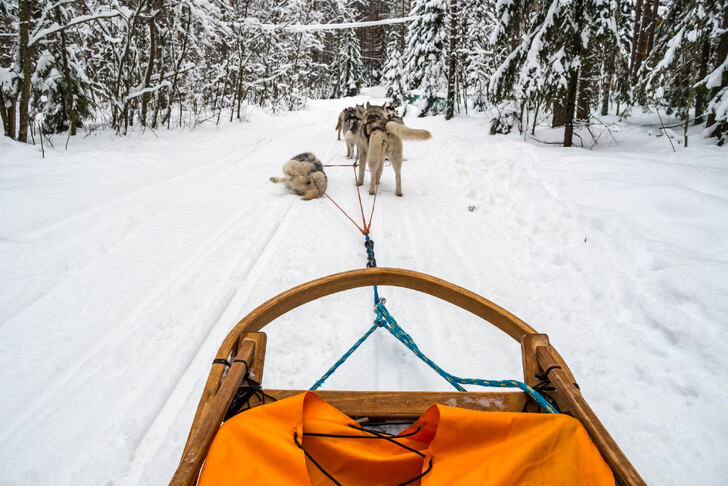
(78,20)
(314,27)
(151,89)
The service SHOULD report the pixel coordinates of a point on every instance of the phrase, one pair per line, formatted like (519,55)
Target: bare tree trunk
(606,93)
(700,100)
(559,111)
(8,116)
(573,83)
(569,108)
(177,68)
(450,109)
(150,68)
(71,105)
(635,36)
(586,88)
(119,114)
(691,94)
(651,27)
(643,42)
(24,51)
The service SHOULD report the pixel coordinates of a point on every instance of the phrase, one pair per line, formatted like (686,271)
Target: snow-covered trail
(123,348)
(125,261)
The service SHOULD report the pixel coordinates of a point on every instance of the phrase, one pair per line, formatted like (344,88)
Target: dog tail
(407,133)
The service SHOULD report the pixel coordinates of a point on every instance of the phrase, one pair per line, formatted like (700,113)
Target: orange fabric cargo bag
(290,442)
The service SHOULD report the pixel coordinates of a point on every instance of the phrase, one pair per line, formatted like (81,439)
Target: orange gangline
(345,214)
(361,206)
(367,226)
(376,190)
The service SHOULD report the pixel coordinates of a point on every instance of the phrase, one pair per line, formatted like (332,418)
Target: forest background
(122,64)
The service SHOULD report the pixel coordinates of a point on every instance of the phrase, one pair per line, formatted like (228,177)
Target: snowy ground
(125,261)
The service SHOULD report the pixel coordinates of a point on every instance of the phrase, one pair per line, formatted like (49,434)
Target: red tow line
(366,226)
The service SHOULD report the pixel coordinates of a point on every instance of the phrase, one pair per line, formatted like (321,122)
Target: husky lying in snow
(380,137)
(304,175)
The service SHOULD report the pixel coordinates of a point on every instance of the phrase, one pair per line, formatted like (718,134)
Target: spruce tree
(393,76)
(351,65)
(687,43)
(549,43)
(477,55)
(425,54)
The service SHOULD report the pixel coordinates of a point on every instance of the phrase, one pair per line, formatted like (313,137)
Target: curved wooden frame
(396,277)
(538,355)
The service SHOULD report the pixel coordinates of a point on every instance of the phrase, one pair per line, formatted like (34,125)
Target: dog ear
(384,105)
(368,105)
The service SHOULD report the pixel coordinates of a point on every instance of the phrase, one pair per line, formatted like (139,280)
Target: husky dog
(380,137)
(304,175)
(393,115)
(350,121)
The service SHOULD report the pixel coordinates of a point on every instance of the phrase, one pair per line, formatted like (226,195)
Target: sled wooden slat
(396,405)
(612,454)
(199,443)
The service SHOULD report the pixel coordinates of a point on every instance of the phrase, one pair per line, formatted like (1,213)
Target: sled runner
(302,437)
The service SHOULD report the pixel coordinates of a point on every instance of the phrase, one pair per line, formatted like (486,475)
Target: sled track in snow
(134,322)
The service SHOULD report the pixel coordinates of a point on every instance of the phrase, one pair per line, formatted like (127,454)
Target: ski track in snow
(119,294)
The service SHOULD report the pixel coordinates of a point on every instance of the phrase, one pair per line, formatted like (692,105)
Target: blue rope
(390,324)
(371,261)
(343,358)
(384,319)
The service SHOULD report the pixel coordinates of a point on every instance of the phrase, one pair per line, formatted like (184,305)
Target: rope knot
(369,245)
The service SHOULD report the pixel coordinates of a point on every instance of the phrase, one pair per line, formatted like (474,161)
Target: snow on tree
(351,65)
(425,55)
(687,61)
(394,74)
(549,43)
(476,20)
(716,82)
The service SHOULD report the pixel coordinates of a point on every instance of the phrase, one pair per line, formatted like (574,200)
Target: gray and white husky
(349,123)
(380,137)
(304,175)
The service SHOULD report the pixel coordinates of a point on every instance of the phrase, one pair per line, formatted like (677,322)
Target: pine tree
(670,76)
(717,82)
(479,58)
(351,65)
(10,75)
(425,54)
(617,86)
(393,77)
(548,49)
(602,54)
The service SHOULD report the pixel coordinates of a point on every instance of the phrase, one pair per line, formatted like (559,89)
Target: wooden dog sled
(243,351)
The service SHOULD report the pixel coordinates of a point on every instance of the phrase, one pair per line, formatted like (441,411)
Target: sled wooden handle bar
(199,441)
(396,277)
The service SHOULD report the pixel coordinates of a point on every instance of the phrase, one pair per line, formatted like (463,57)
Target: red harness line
(367,226)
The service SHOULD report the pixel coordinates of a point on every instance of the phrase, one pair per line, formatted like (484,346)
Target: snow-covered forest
(161,63)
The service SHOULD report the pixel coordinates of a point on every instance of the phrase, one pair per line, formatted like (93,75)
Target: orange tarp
(464,447)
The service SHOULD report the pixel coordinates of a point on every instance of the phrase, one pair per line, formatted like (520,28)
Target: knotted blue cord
(384,319)
(371,261)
